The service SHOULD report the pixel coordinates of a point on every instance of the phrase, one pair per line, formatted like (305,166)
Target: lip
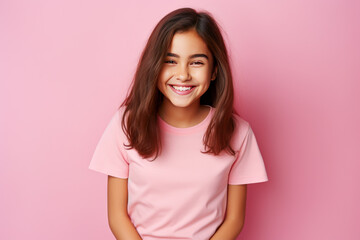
(182,92)
(178,85)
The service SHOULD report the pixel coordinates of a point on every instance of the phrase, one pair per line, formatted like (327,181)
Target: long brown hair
(139,121)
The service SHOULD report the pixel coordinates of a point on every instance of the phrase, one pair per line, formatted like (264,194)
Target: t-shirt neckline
(200,126)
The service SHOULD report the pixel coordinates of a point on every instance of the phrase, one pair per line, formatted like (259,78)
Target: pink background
(65,66)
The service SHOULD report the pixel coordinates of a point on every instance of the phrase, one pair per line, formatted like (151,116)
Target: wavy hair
(139,121)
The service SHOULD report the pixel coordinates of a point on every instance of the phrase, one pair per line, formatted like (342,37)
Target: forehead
(188,43)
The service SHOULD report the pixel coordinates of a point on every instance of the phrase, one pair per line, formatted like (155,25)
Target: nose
(182,73)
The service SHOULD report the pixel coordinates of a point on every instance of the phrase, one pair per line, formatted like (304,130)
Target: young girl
(177,155)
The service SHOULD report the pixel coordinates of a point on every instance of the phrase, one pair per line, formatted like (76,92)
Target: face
(186,72)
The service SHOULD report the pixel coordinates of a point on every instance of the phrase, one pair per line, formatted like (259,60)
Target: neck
(183,117)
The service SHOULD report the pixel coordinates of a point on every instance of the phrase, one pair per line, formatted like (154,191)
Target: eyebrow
(192,56)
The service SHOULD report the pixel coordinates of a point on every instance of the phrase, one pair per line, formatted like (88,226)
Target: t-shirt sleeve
(249,166)
(109,156)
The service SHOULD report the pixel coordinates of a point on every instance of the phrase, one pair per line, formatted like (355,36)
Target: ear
(214,74)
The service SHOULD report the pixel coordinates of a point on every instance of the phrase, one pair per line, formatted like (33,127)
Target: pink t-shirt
(182,194)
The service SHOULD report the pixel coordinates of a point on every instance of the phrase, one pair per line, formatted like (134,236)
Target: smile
(182,90)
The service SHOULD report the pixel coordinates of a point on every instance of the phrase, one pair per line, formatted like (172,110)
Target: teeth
(182,88)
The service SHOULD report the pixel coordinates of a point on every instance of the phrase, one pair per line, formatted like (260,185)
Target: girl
(177,155)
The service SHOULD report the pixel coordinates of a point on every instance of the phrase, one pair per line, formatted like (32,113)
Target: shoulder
(118,115)
(120,111)
(242,128)
(116,123)
(240,120)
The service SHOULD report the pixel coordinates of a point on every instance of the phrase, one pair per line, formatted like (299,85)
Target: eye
(169,61)
(198,63)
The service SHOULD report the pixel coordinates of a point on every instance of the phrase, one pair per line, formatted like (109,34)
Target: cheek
(161,77)
(161,82)
(164,75)
(202,74)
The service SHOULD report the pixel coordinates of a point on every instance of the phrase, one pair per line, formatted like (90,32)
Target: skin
(180,111)
(118,218)
(235,214)
(185,64)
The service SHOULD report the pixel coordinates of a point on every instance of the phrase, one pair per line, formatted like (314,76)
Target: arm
(235,214)
(119,221)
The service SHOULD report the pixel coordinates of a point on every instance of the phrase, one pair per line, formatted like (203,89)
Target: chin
(183,104)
